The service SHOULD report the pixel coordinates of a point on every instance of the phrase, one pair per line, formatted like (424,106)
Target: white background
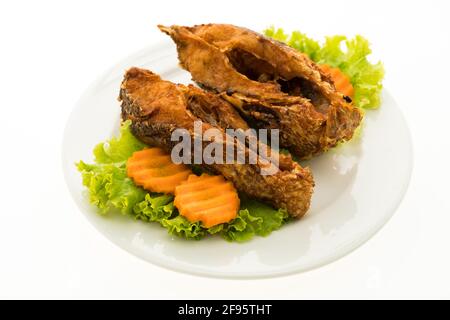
(51,50)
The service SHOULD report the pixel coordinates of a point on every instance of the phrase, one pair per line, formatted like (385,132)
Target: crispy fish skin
(269,83)
(156,108)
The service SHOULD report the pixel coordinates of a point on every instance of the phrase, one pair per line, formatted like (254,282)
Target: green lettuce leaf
(154,208)
(109,187)
(272,219)
(254,218)
(365,76)
(107,182)
(118,149)
(243,228)
(181,227)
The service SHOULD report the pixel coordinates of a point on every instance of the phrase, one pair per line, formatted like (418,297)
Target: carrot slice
(341,80)
(154,170)
(198,184)
(209,199)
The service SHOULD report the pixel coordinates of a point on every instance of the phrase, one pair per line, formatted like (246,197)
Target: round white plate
(358,187)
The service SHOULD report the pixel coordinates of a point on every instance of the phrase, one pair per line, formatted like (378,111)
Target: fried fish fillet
(157,108)
(269,83)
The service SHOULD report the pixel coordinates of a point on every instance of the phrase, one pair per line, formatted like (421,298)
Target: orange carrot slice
(153,169)
(341,80)
(209,199)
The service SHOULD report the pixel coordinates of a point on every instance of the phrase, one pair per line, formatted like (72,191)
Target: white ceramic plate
(358,187)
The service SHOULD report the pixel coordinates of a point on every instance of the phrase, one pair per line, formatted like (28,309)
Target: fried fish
(157,108)
(270,84)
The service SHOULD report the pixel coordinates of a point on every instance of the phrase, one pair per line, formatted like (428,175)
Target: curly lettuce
(118,149)
(365,76)
(110,189)
(106,180)
(254,218)
(181,227)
